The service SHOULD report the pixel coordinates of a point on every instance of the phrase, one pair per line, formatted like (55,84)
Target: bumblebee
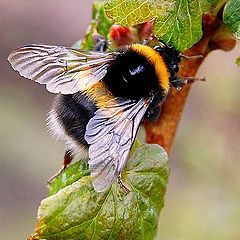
(103,97)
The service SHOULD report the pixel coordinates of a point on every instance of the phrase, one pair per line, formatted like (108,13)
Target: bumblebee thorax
(133,74)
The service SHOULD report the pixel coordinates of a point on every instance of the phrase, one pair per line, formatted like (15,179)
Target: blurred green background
(203,196)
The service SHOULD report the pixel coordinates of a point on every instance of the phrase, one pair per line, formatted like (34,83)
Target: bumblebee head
(171,57)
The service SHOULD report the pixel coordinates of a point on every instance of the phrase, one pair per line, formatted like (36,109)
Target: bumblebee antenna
(190,57)
(190,80)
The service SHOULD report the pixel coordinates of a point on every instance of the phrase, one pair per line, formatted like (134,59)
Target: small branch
(163,131)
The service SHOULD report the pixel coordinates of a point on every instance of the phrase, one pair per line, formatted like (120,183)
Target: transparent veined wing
(61,69)
(111,133)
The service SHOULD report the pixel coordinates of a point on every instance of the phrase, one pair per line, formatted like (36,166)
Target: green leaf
(76,211)
(129,13)
(238,61)
(87,42)
(181,25)
(71,175)
(231,16)
(100,23)
(178,23)
(104,23)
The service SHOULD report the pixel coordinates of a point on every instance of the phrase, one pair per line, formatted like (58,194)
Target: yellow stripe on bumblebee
(157,61)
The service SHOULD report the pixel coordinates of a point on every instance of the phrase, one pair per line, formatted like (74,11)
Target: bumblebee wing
(111,133)
(62,70)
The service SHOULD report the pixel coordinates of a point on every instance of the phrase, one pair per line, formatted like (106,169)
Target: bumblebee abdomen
(73,112)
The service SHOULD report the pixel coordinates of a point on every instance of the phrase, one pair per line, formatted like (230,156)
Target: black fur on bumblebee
(103,97)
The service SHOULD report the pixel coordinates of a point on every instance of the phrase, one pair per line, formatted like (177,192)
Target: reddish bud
(122,36)
(145,30)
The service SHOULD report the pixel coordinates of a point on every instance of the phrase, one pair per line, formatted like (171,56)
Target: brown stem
(163,131)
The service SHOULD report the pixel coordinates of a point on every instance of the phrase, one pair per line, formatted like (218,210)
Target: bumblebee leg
(190,80)
(180,82)
(66,161)
(124,188)
(191,57)
(100,44)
